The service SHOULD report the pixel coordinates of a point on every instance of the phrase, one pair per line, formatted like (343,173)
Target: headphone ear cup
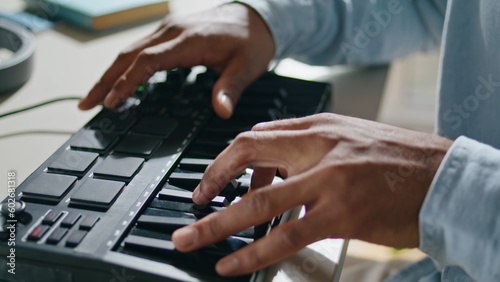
(16,70)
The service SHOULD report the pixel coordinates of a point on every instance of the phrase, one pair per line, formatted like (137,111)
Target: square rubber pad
(47,187)
(92,140)
(73,162)
(120,168)
(96,194)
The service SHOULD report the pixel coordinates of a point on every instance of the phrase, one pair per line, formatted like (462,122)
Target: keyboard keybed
(116,190)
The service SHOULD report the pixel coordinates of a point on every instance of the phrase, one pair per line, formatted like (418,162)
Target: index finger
(178,52)
(265,149)
(118,67)
(255,208)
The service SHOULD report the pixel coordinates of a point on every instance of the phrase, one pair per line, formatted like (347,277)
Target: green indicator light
(141,88)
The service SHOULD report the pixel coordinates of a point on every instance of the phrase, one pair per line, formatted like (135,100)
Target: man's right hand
(231,39)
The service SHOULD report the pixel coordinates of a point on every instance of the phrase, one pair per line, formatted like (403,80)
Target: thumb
(228,88)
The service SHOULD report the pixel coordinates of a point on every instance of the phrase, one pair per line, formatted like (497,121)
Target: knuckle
(147,56)
(187,39)
(261,126)
(322,119)
(170,25)
(322,136)
(125,54)
(324,116)
(245,145)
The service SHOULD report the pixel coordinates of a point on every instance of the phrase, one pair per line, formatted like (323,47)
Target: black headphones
(16,70)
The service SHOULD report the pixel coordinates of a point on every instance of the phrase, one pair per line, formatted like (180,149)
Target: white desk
(67,63)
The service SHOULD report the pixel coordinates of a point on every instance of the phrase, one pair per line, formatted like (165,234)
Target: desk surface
(67,63)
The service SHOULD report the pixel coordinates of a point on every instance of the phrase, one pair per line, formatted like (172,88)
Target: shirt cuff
(458,221)
(264,9)
(281,19)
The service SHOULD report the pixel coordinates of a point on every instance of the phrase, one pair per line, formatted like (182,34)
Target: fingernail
(228,266)
(112,103)
(225,101)
(185,237)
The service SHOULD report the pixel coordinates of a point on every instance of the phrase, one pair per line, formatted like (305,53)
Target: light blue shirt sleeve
(328,32)
(460,218)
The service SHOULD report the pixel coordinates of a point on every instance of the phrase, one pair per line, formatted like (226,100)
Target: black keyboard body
(103,206)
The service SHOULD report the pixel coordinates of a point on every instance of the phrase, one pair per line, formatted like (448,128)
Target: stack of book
(100,15)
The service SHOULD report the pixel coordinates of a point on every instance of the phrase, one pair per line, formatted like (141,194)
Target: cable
(28,132)
(39,105)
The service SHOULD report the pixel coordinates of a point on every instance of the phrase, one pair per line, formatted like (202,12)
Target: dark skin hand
(231,39)
(357,179)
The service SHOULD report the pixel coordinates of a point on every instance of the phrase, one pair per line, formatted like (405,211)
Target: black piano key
(213,143)
(247,233)
(185,196)
(175,195)
(230,190)
(160,241)
(156,126)
(150,243)
(195,164)
(73,162)
(187,181)
(198,152)
(171,205)
(47,187)
(225,247)
(185,207)
(164,221)
(136,145)
(93,140)
(118,168)
(244,183)
(167,213)
(201,263)
(96,194)
(261,230)
(151,233)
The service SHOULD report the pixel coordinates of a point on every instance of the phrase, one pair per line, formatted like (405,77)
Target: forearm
(327,32)
(459,220)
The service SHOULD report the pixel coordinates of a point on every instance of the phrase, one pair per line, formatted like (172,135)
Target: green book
(101,14)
